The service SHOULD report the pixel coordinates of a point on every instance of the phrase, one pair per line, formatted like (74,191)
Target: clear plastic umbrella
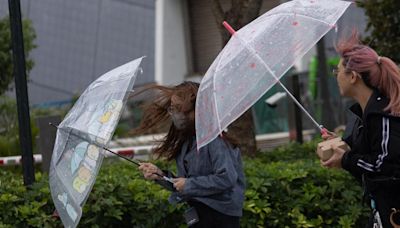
(256,57)
(82,137)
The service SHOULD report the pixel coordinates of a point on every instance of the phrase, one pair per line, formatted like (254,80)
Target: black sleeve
(381,149)
(351,125)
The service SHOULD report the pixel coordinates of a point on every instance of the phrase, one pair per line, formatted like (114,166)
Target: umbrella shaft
(299,105)
(136,163)
(132,161)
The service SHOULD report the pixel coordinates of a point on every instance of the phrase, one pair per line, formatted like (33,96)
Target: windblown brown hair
(156,115)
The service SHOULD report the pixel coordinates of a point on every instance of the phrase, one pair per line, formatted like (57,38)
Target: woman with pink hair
(373,81)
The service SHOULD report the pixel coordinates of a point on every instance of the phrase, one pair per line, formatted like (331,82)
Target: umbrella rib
(279,82)
(297,14)
(122,77)
(215,100)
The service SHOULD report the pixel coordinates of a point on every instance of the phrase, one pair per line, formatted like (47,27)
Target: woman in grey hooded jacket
(210,180)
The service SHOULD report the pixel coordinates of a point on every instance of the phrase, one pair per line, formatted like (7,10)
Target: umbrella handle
(324,132)
(327,134)
(169,179)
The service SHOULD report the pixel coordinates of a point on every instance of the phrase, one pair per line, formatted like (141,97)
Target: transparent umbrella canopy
(82,137)
(256,57)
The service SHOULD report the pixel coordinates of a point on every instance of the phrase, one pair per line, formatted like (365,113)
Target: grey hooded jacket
(214,176)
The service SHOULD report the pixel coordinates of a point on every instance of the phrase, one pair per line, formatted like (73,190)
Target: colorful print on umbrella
(82,136)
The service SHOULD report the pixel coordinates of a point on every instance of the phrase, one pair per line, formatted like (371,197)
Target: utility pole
(21,90)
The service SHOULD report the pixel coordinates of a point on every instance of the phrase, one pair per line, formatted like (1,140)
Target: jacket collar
(375,105)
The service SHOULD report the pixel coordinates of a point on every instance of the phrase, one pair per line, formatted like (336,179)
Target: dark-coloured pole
(297,111)
(25,135)
(327,109)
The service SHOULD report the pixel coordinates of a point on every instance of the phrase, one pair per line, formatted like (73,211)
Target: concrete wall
(80,40)
(172,43)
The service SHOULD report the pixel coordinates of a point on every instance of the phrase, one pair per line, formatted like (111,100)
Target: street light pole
(21,90)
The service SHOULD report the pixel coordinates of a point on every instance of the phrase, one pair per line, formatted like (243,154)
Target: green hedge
(301,194)
(289,192)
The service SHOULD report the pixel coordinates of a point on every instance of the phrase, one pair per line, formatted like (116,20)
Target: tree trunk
(241,13)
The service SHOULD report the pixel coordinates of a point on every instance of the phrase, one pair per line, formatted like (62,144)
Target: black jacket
(374,158)
(374,140)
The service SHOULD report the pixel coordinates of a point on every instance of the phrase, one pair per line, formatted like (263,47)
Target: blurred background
(68,44)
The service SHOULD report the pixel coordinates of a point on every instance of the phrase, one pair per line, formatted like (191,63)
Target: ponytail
(388,82)
(376,71)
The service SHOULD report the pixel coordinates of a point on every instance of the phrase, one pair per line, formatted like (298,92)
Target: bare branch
(252,11)
(218,12)
(236,12)
(236,3)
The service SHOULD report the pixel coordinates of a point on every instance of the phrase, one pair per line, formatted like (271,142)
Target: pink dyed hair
(376,71)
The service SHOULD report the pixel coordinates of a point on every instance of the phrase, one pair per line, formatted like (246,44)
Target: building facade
(77,41)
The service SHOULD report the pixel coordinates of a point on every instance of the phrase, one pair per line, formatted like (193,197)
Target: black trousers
(384,203)
(210,218)
(386,194)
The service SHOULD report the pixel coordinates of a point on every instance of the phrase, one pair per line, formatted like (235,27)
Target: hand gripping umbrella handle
(324,132)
